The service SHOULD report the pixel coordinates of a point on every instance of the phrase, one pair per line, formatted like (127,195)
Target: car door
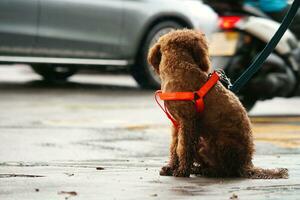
(80,28)
(18,26)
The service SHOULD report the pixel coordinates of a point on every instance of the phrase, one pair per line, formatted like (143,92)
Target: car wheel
(54,72)
(142,71)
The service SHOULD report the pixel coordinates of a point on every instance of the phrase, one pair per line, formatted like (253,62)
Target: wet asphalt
(101,137)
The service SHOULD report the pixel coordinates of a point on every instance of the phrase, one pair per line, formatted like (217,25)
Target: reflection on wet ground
(106,139)
(129,158)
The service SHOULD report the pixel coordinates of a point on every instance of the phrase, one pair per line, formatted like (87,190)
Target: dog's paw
(196,169)
(181,173)
(166,171)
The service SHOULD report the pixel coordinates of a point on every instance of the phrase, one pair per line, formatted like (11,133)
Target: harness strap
(164,108)
(214,78)
(196,97)
(169,96)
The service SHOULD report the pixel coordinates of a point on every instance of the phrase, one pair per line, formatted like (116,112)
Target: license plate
(223,43)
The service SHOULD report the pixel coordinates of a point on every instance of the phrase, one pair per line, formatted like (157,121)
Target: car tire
(142,71)
(54,72)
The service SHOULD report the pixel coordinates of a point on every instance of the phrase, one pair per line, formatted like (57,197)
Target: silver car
(56,36)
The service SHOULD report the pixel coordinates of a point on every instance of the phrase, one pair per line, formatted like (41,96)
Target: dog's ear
(200,53)
(154,57)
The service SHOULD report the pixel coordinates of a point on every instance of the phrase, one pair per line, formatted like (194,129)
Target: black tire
(54,72)
(141,70)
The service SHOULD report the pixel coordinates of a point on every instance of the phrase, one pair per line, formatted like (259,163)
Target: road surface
(100,137)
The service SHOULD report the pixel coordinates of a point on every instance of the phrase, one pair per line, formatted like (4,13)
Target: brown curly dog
(217,142)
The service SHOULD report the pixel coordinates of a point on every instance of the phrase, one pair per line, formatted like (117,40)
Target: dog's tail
(259,173)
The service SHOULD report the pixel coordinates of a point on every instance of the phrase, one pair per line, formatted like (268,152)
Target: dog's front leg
(184,150)
(173,162)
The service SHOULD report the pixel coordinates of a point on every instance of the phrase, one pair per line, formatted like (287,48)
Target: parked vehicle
(56,37)
(244,32)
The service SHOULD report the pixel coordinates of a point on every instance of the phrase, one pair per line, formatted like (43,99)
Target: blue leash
(257,63)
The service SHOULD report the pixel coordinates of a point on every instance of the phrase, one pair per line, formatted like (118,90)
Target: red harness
(196,97)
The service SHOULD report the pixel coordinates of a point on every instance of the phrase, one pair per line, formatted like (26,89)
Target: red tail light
(228,22)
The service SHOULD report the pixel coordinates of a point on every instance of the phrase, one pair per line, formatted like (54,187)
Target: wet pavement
(100,137)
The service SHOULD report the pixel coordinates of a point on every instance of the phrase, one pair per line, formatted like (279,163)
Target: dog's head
(192,42)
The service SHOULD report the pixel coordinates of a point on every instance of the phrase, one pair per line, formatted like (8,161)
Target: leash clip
(226,82)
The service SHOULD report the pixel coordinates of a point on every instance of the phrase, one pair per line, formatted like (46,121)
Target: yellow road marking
(275,119)
(280,131)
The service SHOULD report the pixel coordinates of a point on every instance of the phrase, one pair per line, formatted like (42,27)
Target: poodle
(217,142)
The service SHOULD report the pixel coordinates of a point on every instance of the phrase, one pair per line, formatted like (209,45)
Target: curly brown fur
(219,140)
